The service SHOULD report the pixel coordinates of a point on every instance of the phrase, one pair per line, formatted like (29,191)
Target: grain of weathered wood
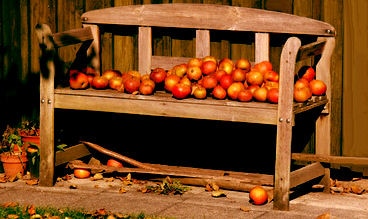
(71,153)
(227,179)
(306,174)
(145,50)
(205,16)
(343,160)
(262,47)
(203,46)
(284,124)
(47,78)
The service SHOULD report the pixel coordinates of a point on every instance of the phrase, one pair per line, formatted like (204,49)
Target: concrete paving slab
(195,203)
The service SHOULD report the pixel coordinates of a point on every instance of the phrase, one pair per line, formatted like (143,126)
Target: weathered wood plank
(284,124)
(206,16)
(170,107)
(70,154)
(227,179)
(343,160)
(305,174)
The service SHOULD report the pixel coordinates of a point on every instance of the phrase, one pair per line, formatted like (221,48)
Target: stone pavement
(195,203)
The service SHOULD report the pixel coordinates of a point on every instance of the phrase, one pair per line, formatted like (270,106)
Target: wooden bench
(203,18)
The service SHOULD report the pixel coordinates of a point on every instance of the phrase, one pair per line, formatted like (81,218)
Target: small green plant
(11,141)
(169,186)
(29,128)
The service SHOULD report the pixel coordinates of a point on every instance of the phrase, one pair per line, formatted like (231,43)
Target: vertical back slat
(144,49)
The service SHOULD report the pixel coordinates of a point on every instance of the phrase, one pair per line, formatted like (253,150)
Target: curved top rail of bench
(208,16)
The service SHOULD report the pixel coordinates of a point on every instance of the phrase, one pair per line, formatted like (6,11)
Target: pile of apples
(204,77)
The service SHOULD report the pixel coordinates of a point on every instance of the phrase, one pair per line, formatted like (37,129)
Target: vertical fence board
(125,58)
(355,93)
(106,38)
(332,13)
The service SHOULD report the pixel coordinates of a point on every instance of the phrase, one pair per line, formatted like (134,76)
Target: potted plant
(29,131)
(13,154)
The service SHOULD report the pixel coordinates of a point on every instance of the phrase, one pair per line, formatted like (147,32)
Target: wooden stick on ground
(118,156)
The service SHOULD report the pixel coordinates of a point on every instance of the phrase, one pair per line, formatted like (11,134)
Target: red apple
(219,92)
(114,163)
(185,80)
(219,74)
(254,77)
(110,73)
(273,95)
(253,87)
(100,82)
(263,66)
(243,64)
(158,75)
(209,81)
(170,81)
(194,73)
(131,85)
(301,82)
(180,69)
(116,83)
(307,72)
(260,94)
(134,73)
(78,80)
(145,76)
(270,84)
(302,94)
(195,62)
(199,92)
(271,76)
(234,89)
(226,81)
(318,87)
(239,74)
(146,88)
(226,64)
(210,58)
(181,90)
(245,95)
(208,67)
(90,78)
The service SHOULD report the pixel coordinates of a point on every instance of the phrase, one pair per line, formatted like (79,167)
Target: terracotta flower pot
(31,139)
(14,164)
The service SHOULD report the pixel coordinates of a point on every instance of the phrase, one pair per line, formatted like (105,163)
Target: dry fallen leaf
(270,195)
(32,210)
(94,161)
(97,176)
(110,179)
(324,216)
(337,189)
(32,182)
(3,179)
(244,208)
(357,189)
(9,204)
(218,193)
(122,190)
